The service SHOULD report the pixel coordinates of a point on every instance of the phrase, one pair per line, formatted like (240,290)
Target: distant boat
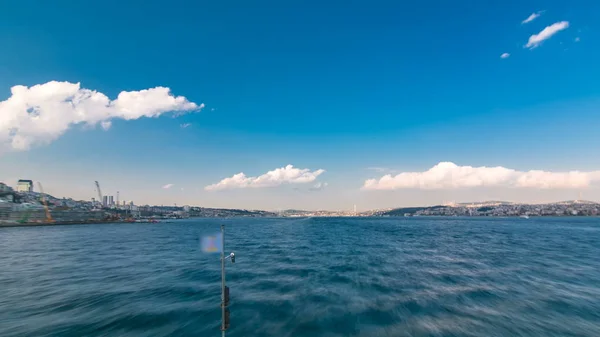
(525,216)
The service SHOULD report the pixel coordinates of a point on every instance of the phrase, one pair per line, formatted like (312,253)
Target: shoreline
(75,223)
(57,223)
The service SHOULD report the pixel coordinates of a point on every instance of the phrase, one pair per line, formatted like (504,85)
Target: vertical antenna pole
(222,280)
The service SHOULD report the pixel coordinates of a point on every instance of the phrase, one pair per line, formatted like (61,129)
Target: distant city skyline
(109,201)
(288,106)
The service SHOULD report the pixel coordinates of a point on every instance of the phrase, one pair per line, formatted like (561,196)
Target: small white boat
(525,216)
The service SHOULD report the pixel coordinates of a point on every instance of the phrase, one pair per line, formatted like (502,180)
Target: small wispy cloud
(381,169)
(577,39)
(532,17)
(106,125)
(546,33)
(377,169)
(185,125)
(167,186)
(505,56)
(318,186)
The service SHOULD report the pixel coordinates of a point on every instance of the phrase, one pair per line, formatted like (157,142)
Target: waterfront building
(5,188)
(25,185)
(5,210)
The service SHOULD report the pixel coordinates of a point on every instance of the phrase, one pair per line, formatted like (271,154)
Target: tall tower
(354,209)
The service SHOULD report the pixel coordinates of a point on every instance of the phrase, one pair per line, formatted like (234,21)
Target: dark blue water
(305,277)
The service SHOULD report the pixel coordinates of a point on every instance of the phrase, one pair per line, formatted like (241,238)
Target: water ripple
(305,277)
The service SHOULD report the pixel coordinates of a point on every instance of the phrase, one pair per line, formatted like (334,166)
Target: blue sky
(339,86)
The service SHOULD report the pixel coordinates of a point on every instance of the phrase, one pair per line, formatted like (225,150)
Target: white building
(5,188)
(25,186)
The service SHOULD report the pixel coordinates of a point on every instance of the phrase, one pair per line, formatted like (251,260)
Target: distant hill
(571,202)
(484,203)
(295,211)
(223,212)
(410,210)
(501,208)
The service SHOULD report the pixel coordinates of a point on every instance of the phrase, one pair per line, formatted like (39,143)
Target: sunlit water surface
(306,277)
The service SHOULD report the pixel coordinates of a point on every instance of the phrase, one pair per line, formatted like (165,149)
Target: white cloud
(577,39)
(106,125)
(546,33)
(379,169)
(505,55)
(167,186)
(318,186)
(283,175)
(532,17)
(185,125)
(42,113)
(446,175)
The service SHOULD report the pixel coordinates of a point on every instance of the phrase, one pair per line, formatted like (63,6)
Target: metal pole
(222,280)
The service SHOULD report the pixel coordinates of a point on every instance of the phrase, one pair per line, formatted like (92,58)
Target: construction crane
(101,200)
(46,208)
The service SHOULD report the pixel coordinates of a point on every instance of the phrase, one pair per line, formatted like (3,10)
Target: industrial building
(35,213)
